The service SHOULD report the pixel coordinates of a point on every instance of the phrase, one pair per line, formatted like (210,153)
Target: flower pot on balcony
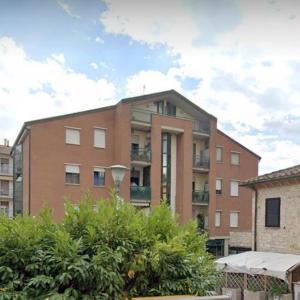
(254,295)
(233,293)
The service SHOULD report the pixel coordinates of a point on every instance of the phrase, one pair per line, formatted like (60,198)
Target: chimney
(6,142)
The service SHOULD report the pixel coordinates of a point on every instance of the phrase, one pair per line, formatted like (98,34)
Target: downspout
(255,217)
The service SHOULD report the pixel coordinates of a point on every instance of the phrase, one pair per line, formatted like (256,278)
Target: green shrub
(111,251)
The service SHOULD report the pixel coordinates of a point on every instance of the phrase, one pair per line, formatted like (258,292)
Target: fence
(253,283)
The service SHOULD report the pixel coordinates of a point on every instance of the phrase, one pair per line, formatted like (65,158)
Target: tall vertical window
(72,174)
(219,154)
(234,188)
(159,107)
(218,219)
(99,177)
(171,109)
(235,158)
(218,186)
(18,180)
(99,138)
(234,219)
(73,136)
(166,166)
(4,165)
(273,212)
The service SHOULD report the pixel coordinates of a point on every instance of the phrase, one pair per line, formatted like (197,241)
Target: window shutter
(234,219)
(99,138)
(218,184)
(73,136)
(218,219)
(234,188)
(235,158)
(219,154)
(72,169)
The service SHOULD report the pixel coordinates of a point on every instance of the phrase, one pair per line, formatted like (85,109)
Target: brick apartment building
(172,148)
(6,179)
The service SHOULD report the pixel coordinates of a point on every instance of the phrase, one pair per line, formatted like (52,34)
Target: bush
(111,251)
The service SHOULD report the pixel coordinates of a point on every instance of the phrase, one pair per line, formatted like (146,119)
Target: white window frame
(233,192)
(99,144)
(221,184)
(234,219)
(218,218)
(221,154)
(74,169)
(68,136)
(232,153)
(99,169)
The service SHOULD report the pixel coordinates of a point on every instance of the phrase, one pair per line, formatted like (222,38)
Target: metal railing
(200,162)
(140,193)
(144,116)
(141,154)
(200,197)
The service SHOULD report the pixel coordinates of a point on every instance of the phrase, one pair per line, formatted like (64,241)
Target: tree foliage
(107,251)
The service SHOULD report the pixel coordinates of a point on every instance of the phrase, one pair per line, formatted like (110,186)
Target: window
(160,107)
(99,177)
(72,174)
(273,212)
(4,165)
(234,188)
(99,138)
(235,158)
(219,154)
(218,219)
(218,186)
(234,219)
(171,109)
(73,136)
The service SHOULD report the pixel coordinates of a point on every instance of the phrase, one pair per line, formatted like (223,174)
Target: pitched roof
(242,146)
(288,173)
(5,149)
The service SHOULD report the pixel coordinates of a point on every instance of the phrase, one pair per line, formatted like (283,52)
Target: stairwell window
(234,219)
(219,154)
(72,136)
(99,177)
(72,174)
(234,188)
(218,186)
(218,219)
(99,138)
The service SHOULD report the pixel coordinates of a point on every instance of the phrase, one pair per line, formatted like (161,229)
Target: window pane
(218,219)
(235,158)
(72,136)
(99,138)
(234,217)
(273,212)
(219,154)
(72,174)
(234,188)
(219,186)
(99,177)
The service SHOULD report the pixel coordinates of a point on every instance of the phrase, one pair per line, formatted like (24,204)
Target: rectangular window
(72,174)
(235,158)
(273,212)
(99,138)
(218,219)
(4,188)
(234,219)
(171,109)
(99,177)
(4,165)
(73,136)
(234,188)
(219,152)
(218,186)
(160,107)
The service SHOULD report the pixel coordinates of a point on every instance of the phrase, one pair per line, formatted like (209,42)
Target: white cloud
(68,9)
(247,76)
(94,66)
(29,86)
(99,40)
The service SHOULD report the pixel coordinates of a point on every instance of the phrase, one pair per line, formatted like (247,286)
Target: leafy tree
(105,250)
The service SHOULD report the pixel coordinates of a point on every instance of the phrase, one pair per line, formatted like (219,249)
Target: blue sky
(239,60)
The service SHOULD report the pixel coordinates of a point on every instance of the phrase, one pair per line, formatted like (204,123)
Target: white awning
(259,263)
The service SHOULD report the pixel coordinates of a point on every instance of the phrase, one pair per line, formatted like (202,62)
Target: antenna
(144,88)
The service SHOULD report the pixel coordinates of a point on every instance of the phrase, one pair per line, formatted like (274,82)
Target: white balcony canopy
(260,263)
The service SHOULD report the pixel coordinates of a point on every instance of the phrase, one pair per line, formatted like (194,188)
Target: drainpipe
(255,217)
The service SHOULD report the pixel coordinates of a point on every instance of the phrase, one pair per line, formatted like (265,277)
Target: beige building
(172,148)
(6,179)
(276,205)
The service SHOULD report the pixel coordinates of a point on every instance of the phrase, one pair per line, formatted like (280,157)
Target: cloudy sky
(239,60)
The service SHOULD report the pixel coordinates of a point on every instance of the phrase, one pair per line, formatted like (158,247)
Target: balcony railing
(6,193)
(141,154)
(200,197)
(140,193)
(6,170)
(144,116)
(200,162)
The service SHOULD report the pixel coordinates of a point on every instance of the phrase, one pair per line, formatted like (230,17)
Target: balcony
(200,163)
(142,155)
(6,193)
(140,193)
(201,127)
(200,197)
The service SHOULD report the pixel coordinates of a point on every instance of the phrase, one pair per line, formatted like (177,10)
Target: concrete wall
(286,238)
